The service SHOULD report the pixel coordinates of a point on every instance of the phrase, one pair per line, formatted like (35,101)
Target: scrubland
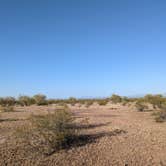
(93,132)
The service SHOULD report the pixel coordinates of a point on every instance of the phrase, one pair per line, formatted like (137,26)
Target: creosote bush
(48,133)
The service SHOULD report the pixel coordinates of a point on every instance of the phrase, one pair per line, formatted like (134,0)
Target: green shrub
(48,133)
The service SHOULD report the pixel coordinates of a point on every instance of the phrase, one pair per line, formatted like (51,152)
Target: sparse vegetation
(89,103)
(116,98)
(7,109)
(141,106)
(26,100)
(72,101)
(7,101)
(102,102)
(155,100)
(160,116)
(40,99)
(48,133)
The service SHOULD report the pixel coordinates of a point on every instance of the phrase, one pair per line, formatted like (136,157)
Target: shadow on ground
(10,120)
(91,126)
(84,139)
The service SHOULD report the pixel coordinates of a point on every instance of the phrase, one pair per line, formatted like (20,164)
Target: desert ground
(114,135)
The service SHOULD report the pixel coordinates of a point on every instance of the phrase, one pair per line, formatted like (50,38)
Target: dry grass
(7,109)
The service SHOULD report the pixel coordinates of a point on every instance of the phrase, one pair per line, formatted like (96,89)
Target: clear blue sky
(82,48)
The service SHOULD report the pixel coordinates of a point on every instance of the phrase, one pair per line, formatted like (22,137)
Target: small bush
(25,100)
(160,116)
(102,102)
(89,103)
(72,101)
(48,133)
(125,101)
(8,101)
(40,99)
(141,107)
(155,100)
(63,105)
(116,99)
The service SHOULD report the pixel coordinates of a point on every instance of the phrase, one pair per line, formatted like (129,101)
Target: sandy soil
(114,135)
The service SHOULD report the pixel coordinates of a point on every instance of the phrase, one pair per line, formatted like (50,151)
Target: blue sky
(82,48)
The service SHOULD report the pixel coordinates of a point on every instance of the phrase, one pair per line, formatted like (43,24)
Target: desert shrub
(10,101)
(1,109)
(7,101)
(125,101)
(25,100)
(89,103)
(52,101)
(160,116)
(155,100)
(2,101)
(48,133)
(102,102)
(40,99)
(82,101)
(141,106)
(72,101)
(56,101)
(163,106)
(116,99)
(133,99)
(62,104)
